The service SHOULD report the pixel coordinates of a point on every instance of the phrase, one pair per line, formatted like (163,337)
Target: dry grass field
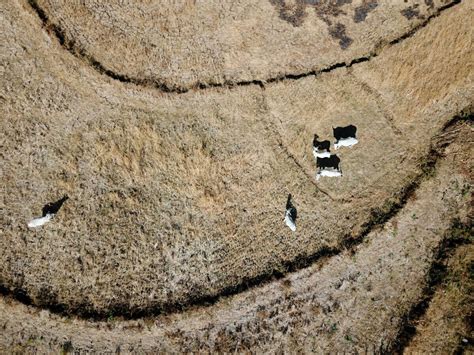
(178,130)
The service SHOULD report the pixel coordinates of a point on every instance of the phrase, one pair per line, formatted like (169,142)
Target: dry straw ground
(181,44)
(177,190)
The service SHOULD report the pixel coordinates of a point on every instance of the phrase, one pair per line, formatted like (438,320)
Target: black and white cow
(321,148)
(290,214)
(328,167)
(345,136)
(49,211)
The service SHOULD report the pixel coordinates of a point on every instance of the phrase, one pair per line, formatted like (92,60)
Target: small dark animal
(321,145)
(53,207)
(290,214)
(320,148)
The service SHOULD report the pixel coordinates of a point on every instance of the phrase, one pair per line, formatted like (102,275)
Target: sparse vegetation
(178,133)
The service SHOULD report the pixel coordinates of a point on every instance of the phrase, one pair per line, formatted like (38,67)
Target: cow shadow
(54,207)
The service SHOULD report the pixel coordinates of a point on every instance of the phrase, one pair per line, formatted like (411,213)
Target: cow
(328,167)
(290,214)
(345,136)
(321,148)
(38,222)
(49,211)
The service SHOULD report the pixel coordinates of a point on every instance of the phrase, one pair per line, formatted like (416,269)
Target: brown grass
(354,302)
(446,325)
(177,200)
(182,44)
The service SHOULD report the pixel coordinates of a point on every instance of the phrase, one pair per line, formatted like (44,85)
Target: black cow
(328,167)
(322,146)
(331,163)
(290,214)
(345,136)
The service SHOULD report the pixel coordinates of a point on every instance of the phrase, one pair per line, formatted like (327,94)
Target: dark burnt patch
(326,9)
(291,13)
(361,12)
(295,12)
(338,31)
(411,12)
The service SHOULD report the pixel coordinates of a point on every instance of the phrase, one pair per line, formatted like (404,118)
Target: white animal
(345,136)
(289,221)
(321,149)
(290,214)
(38,222)
(328,167)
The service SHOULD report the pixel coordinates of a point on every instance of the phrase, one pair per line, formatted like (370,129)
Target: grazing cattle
(345,136)
(290,214)
(321,148)
(328,167)
(49,211)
